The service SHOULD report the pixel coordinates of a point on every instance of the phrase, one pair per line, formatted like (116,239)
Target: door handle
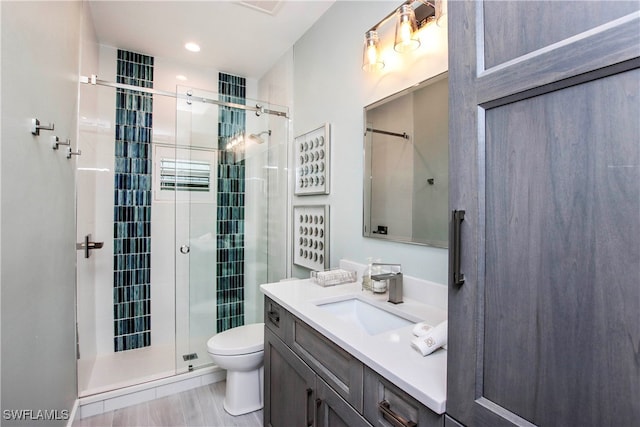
(88,245)
(309,413)
(457,278)
(395,419)
(185,249)
(274,317)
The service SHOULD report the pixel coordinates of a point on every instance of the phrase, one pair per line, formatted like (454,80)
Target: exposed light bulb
(371,60)
(372,54)
(406,29)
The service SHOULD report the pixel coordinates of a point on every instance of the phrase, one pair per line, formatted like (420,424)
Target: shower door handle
(88,245)
(185,249)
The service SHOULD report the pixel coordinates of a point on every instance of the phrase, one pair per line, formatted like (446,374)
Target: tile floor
(200,406)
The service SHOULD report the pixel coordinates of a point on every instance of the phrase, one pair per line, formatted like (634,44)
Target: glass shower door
(192,170)
(116,209)
(231,186)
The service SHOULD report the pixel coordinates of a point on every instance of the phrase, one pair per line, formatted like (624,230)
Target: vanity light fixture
(406,30)
(371,60)
(409,20)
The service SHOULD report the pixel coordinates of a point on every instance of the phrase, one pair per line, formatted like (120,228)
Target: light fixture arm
(393,13)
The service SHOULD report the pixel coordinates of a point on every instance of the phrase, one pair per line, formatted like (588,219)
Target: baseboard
(104,402)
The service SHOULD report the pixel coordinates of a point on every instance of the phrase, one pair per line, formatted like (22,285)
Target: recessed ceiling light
(181,77)
(193,47)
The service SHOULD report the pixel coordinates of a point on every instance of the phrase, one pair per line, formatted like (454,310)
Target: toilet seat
(237,341)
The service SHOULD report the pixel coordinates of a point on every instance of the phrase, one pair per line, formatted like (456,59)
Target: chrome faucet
(395,282)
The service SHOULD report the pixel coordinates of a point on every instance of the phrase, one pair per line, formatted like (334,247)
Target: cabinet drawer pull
(395,419)
(457,278)
(274,317)
(309,418)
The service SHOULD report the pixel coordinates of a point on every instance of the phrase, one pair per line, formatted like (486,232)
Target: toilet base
(244,391)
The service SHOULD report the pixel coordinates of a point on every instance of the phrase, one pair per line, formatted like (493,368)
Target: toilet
(240,351)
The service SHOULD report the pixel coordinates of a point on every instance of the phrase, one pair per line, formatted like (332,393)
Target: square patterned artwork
(311,236)
(312,156)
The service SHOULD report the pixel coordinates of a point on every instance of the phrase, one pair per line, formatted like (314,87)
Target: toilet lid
(239,340)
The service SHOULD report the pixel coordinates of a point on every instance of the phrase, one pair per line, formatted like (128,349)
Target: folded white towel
(434,339)
(421,329)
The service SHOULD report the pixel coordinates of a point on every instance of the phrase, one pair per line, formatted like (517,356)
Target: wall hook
(55,142)
(36,126)
(70,153)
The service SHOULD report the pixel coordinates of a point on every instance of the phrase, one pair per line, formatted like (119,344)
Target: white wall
(40,54)
(330,86)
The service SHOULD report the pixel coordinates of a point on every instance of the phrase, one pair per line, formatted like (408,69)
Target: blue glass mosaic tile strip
(230,213)
(132,199)
(127,342)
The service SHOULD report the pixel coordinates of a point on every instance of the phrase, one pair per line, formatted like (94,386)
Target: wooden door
(289,386)
(545,162)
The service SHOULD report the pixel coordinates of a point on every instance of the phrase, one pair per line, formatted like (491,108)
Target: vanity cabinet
(311,381)
(544,156)
(295,396)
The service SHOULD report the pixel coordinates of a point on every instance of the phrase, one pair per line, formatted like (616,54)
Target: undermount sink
(371,319)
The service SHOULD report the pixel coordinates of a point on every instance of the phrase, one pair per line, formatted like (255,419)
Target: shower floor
(125,368)
(131,367)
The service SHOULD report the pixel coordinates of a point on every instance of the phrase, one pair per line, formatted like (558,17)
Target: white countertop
(388,353)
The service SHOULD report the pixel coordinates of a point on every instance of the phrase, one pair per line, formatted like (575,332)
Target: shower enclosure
(181,210)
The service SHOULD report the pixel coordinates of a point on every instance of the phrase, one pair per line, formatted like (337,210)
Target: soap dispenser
(366,276)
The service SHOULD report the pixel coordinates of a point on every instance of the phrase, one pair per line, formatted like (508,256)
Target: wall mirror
(406,149)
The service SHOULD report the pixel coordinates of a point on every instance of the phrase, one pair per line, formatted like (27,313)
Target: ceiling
(238,37)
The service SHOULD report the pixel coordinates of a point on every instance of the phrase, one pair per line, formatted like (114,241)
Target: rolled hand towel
(421,329)
(436,338)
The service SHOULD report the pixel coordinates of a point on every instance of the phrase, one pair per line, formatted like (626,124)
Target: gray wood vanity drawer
(342,371)
(275,318)
(386,405)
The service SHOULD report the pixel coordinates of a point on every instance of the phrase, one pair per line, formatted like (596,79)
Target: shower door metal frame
(258,109)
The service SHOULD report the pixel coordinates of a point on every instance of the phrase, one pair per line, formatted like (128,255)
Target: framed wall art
(313,161)
(311,236)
